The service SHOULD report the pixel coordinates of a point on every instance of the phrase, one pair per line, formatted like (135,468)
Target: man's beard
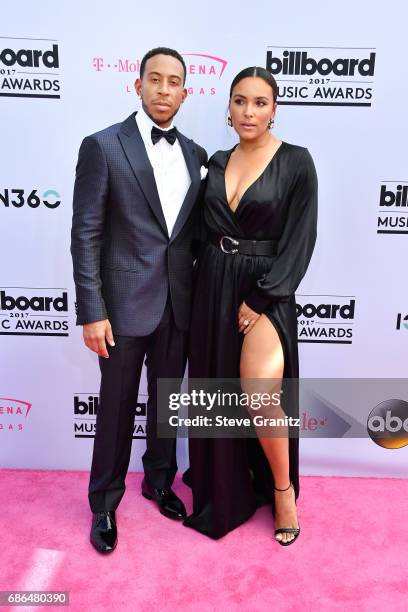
(156,121)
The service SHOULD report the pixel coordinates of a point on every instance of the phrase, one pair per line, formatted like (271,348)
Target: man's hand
(248,316)
(95,335)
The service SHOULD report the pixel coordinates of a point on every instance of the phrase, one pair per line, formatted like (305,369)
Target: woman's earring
(271,123)
(229,121)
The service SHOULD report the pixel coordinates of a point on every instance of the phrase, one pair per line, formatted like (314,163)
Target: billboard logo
(28,311)
(393,208)
(85,411)
(323,76)
(29,68)
(324,319)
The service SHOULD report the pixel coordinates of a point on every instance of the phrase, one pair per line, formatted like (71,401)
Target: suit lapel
(192,162)
(135,152)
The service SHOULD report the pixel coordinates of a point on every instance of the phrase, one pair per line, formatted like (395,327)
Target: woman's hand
(246,318)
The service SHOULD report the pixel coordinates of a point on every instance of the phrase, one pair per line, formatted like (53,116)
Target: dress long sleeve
(296,244)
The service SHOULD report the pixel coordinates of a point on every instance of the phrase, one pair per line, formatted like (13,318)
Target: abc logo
(387,424)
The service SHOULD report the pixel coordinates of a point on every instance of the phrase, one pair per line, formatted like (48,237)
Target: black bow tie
(169,135)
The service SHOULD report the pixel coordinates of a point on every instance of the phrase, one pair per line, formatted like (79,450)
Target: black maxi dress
(230,477)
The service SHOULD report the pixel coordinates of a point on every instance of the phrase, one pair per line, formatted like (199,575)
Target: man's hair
(162,51)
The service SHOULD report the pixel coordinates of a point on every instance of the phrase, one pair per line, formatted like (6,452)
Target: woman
(259,219)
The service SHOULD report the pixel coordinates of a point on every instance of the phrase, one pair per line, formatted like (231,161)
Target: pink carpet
(352,553)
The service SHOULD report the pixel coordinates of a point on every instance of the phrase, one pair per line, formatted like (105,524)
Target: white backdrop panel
(356,150)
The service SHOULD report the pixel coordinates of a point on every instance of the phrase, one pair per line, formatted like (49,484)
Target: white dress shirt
(169,167)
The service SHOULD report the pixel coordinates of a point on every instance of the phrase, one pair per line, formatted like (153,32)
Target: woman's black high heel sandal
(294,530)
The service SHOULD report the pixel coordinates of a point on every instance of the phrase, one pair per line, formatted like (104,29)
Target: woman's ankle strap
(288,487)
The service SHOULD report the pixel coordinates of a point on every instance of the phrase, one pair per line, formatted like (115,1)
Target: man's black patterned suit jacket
(123,258)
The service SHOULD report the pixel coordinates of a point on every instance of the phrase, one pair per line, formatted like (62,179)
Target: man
(136,189)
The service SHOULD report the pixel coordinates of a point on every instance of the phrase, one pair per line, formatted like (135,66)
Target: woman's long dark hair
(256,71)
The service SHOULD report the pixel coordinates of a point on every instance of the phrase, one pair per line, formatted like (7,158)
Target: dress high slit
(231,477)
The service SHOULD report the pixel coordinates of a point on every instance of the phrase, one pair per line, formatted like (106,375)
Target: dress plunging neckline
(234,212)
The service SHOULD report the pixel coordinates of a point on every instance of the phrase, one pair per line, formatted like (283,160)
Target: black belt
(232,246)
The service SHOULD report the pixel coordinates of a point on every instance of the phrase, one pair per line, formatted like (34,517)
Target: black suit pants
(165,350)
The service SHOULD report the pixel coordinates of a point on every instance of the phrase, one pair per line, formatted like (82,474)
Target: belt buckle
(233,242)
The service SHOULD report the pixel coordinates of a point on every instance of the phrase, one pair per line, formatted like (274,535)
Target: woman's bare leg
(262,358)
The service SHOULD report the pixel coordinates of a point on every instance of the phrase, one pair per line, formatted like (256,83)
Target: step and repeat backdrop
(67,70)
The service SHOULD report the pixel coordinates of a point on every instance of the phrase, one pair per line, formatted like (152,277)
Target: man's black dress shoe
(104,534)
(170,505)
